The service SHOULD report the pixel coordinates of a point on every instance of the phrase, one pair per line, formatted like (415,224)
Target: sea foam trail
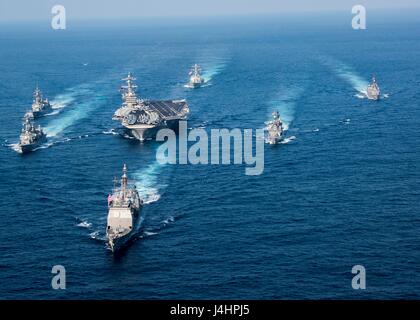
(347,73)
(285,104)
(84,224)
(287,140)
(63,100)
(147,182)
(211,70)
(83,100)
(14,147)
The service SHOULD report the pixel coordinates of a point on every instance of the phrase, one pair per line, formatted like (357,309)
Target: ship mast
(195,70)
(129,91)
(37,94)
(124,181)
(27,124)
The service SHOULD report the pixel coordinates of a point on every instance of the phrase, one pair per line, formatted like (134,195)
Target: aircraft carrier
(144,118)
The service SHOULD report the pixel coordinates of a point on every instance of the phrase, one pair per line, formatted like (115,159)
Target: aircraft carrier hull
(164,113)
(143,133)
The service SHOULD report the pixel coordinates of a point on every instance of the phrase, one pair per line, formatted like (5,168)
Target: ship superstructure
(30,136)
(373,92)
(40,106)
(196,80)
(143,118)
(275,129)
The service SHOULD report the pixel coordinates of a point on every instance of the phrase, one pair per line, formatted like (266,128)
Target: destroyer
(124,213)
(40,106)
(196,80)
(143,118)
(275,129)
(31,136)
(373,92)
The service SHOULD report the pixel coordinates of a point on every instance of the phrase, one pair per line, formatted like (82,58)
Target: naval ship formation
(124,213)
(32,136)
(143,118)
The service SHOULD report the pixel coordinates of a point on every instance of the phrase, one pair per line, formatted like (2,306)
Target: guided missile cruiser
(40,106)
(275,129)
(196,80)
(373,92)
(30,136)
(124,213)
(143,118)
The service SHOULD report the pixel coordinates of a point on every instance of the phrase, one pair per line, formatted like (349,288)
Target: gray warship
(196,80)
(124,213)
(373,92)
(143,118)
(275,129)
(30,136)
(40,106)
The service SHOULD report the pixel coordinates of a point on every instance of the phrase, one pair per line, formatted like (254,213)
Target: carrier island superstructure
(143,118)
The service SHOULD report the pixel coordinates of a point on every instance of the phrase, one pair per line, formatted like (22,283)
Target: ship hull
(26,148)
(195,84)
(372,97)
(275,140)
(149,132)
(39,114)
(117,243)
(373,92)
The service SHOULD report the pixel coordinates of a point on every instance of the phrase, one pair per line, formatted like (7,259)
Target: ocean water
(342,190)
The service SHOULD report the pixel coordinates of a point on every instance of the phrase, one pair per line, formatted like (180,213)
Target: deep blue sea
(342,190)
